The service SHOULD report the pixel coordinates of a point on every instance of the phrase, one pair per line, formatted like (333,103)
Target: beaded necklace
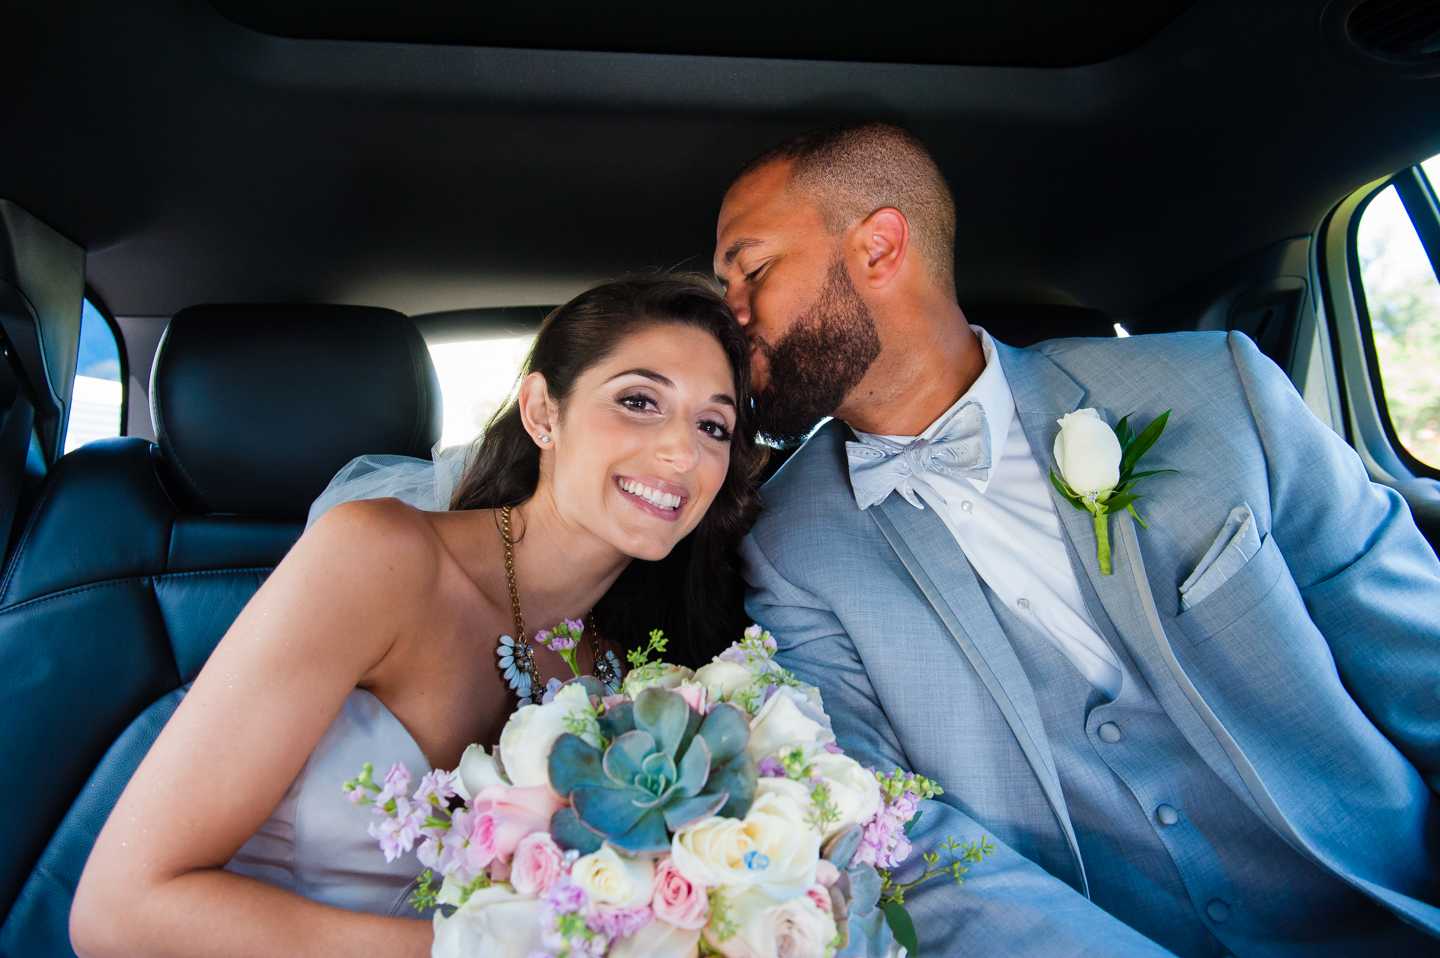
(517,657)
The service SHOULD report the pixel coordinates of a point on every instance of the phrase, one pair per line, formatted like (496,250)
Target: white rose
(610,878)
(525,742)
(765,928)
(723,679)
(659,939)
(477,772)
(494,922)
(656,675)
(791,717)
(771,848)
(853,792)
(1087,452)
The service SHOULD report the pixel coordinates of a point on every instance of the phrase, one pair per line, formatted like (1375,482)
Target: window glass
(98,392)
(1403,299)
(476,377)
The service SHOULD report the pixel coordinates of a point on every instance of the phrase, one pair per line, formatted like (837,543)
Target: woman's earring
(543,438)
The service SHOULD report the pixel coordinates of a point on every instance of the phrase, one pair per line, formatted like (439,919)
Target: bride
(377,637)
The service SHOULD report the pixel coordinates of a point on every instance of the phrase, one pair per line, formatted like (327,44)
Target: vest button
(1167,816)
(1109,733)
(1023,603)
(1218,911)
(966,506)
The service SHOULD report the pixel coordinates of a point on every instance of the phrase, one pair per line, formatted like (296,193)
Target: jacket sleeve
(1370,581)
(1007,905)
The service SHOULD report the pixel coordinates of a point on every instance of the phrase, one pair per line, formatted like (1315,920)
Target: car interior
(244,241)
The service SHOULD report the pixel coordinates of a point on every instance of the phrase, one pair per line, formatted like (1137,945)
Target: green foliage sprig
(639,657)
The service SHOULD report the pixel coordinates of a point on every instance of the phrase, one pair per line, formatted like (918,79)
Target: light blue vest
(1169,848)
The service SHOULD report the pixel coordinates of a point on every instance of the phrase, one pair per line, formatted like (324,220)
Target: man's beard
(814,365)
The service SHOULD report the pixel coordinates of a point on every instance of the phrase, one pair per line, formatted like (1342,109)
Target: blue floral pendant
(517,665)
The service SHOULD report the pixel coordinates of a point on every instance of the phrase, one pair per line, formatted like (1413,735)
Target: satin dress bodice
(315,843)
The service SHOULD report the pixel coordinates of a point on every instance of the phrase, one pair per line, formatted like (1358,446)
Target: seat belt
(14,448)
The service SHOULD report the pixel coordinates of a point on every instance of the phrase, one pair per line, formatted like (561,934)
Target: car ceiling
(198,159)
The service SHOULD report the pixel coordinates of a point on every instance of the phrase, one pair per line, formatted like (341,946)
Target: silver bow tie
(879,466)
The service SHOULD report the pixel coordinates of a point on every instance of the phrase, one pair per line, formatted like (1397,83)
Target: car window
(1402,297)
(476,377)
(98,395)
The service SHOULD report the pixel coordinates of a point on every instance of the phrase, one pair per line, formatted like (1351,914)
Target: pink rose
(504,814)
(537,863)
(678,900)
(694,695)
(820,896)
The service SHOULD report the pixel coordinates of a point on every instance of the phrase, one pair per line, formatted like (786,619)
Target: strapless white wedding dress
(315,844)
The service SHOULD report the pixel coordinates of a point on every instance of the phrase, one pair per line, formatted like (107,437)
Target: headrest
(256,407)
(1026,324)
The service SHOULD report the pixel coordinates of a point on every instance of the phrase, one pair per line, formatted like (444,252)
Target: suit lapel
(1043,394)
(928,551)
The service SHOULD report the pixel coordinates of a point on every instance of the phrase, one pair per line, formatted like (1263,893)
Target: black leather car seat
(136,558)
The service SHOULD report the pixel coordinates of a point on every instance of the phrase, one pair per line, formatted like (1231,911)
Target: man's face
(811,335)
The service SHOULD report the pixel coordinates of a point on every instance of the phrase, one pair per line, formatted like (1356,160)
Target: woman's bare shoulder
(373,540)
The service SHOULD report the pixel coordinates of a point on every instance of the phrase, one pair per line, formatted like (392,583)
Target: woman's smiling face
(643,443)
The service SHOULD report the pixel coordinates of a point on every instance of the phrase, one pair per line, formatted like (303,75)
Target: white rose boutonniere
(1097,468)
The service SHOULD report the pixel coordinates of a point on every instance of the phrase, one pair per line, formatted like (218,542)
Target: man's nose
(739,302)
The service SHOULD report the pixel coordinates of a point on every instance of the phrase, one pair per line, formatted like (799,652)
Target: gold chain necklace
(517,657)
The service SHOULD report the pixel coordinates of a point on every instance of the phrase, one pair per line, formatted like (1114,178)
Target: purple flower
(620,922)
(734,654)
(539,954)
(576,626)
(770,767)
(429,853)
(397,835)
(552,687)
(397,780)
(357,794)
(833,749)
(563,898)
(582,947)
(439,783)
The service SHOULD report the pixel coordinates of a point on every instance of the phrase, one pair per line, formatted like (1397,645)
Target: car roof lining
(1015,33)
(198,160)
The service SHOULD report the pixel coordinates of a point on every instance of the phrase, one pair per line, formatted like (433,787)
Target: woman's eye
(637,401)
(715,430)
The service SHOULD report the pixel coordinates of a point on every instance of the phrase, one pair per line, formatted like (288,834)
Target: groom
(1228,745)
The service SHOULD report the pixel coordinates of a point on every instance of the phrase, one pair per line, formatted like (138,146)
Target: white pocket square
(1236,545)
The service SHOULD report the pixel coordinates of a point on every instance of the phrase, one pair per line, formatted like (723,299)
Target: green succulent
(665,766)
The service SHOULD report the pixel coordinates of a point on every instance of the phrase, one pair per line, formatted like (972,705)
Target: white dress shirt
(1007,528)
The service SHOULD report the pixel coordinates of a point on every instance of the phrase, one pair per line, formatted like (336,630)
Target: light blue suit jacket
(1309,682)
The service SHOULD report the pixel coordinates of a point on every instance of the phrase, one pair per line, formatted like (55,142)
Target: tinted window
(98,394)
(1403,299)
(476,377)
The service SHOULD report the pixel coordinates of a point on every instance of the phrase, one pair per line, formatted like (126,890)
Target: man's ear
(537,411)
(883,238)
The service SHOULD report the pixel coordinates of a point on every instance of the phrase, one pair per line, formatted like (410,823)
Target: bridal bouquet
(695,813)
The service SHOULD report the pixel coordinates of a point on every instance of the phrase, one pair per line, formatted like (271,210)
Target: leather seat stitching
(35,511)
(76,590)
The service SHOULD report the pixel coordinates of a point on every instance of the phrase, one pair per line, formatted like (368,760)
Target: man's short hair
(851,171)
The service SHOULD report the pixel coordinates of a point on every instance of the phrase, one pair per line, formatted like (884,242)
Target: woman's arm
(328,616)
